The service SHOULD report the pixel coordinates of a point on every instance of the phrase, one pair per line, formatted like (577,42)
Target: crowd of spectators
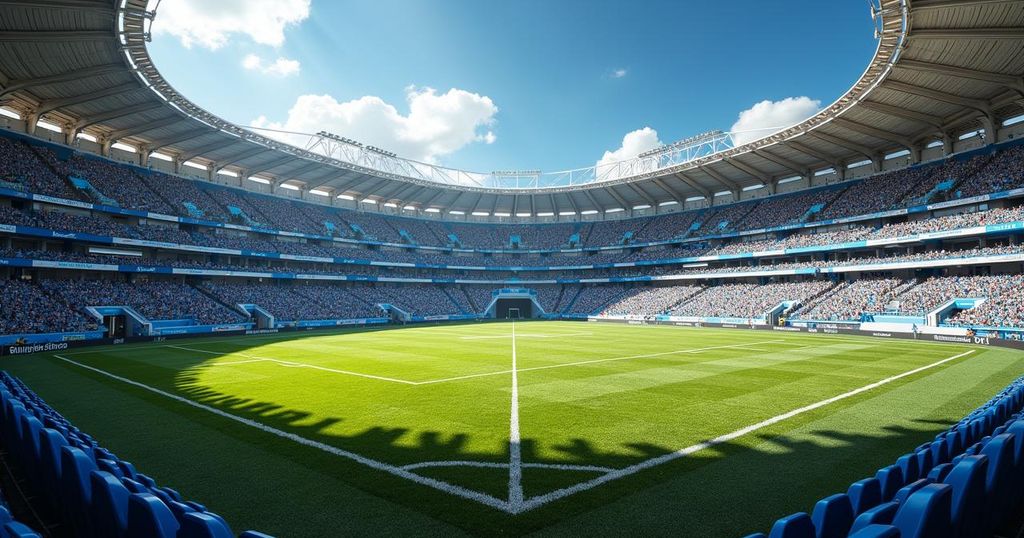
(20,164)
(748,300)
(26,309)
(293,301)
(177,191)
(724,219)
(849,299)
(593,298)
(647,301)
(1004,172)
(786,209)
(114,181)
(1003,307)
(933,292)
(156,300)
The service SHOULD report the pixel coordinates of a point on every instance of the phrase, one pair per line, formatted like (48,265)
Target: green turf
(596,395)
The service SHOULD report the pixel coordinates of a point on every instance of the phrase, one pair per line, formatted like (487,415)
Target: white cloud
(619,73)
(210,23)
(436,125)
(633,144)
(767,117)
(282,67)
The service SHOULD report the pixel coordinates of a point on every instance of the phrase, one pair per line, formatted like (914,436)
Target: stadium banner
(170,218)
(962,232)
(983,337)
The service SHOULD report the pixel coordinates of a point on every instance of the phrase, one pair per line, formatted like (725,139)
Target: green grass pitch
(621,429)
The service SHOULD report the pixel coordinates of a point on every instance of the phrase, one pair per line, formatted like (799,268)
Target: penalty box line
(541,500)
(596,361)
(400,472)
(291,364)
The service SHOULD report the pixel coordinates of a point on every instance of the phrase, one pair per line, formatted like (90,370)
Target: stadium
(208,328)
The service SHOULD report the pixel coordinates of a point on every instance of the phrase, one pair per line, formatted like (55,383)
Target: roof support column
(915,153)
(876,163)
(70,135)
(989,123)
(144,156)
(105,144)
(31,120)
(176,165)
(947,144)
(840,169)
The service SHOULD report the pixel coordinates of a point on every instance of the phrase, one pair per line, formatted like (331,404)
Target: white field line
(452,489)
(493,465)
(515,457)
(500,336)
(291,364)
(595,361)
(541,500)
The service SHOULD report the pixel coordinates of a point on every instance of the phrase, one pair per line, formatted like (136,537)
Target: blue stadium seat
(797,525)
(939,472)
(924,462)
(1001,478)
(109,508)
(940,452)
(148,517)
(909,489)
(755,535)
(30,428)
(50,444)
(891,480)
(200,525)
(878,515)
(257,534)
(908,466)
(833,516)
(877,531)
(76,488)
(967,479)
(14,529)
(926,514)
(865,494)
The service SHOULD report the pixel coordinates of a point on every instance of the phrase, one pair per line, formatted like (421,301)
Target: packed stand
(748,300)
(650,301)
(178,191)
(1004,172)
(592,299)
(288,302)
(877,193)
(849,299)
(1003,307)
(935,291)
(115,181)
(155,300)
(20,164)
(27,309)
(785,209)
(416,299)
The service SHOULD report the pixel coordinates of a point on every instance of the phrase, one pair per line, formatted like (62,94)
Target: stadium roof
(941,68)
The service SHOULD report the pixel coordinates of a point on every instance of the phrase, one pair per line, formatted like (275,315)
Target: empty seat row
(965,483)
(86,487)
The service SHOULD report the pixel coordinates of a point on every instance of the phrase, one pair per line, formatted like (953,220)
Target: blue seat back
(877,531)
(891,480)
(879,515)
(797,525)
(865,494)
(908,466)
(967,479)
(200,525)
(148,517)
(926,514)
(109,507)
(833,516)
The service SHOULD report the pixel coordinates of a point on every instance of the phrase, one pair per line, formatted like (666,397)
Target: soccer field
(546,427)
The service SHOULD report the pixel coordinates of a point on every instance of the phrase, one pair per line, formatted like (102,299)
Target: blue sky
(536,84)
